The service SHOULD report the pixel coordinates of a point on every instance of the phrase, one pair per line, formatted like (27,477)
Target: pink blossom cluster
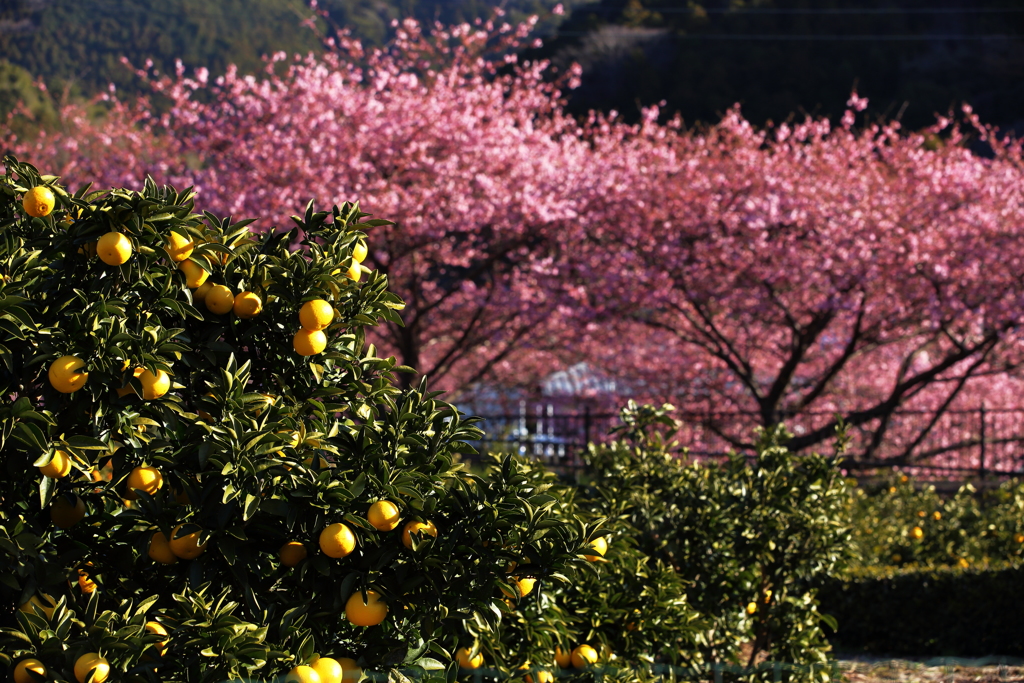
(791,272)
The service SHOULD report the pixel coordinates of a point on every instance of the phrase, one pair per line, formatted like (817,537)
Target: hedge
(945,611)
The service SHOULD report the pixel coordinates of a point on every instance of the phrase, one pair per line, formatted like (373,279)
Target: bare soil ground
(934,671)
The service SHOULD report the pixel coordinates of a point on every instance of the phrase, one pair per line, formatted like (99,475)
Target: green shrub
(946,611)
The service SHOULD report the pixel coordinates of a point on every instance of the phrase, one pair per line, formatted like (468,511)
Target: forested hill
(910,57)
(776,57)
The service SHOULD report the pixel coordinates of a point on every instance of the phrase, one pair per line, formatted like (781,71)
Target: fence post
(981,464)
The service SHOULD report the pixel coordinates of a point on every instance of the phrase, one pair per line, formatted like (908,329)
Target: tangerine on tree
(146,479)
(309,343)
(417,528)
(160,549)
(114,249)
(247,305)
(184,542)
(337,540)
(58,467)
(179,246)
(350,670)
(584,656)
(467,662)
(600,547)
(92,663)
(330,670)
(29,671)
(85,582)
(316,315)
(67,511)
(303,674)
(219,300)
(291,553)
(563,658)
(64,374)
(39,202)
(195,275)
(383,515)
(368,611)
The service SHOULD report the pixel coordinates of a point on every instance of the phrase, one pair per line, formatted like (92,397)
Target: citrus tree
(208,474)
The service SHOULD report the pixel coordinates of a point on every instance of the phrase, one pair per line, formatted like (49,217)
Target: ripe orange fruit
(600,547)
(309,343)
(39,201)
(114,249)
(91,662)
(917,533)
(43,601)
(1019,538)
(153,386)
(157,628)
(179,247)
(302,674)
(199,295)
(337,540)
(143,478)
(368,612)
(360,251)
(29,671)
(184,542)
(543,676)
(355,271)
(64,374)
(937,516)
(751,608)
(383,515)
(329,670)
(219,299)
(525,588)
(291,553)
(86,584)
(58,467)
(316,315)
(351,670)
(195,275)
(66,513)
(417,528)
(563,658)
(160,549)
(247,305)
(467,662)
(583,656)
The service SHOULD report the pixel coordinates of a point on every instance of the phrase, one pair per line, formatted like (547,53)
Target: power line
(811,37)
(754,11)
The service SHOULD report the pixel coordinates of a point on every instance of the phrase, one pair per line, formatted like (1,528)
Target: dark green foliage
(256,445)
(946,611)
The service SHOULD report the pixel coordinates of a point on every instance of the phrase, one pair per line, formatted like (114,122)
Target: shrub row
(947,611)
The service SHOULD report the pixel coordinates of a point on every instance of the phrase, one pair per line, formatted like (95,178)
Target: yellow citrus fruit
(92,663)
(383,515)
(179,246)
(302,674)
(153,386)
(199,295)
(937,516)
(309,343)
(291,553)
(114,249)
(351,670)
(354,272)
(64,374)
(157,628)
(329,670)
(360,251)
(583,656)
(43,601)
(195,275)
(600,547)
(147,479)
(563,658)
(751,607)
(184,542)
(417,528)
(543,676)
(67,513)
(160,549)
(247,305)
(467,662)
(368,612)
(39,201)
(29,671)
(1019,538)
(525,588)
(58,467)
(85,582)
(219,299)
(917,533)
(316,315)
(337,540)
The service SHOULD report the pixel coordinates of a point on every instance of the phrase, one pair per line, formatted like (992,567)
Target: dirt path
(989,670)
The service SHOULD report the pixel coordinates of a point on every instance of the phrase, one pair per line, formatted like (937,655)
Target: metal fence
(981,442)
